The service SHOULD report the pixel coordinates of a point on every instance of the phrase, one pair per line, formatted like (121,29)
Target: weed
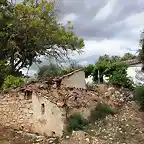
(76,122)
(100,112)
(139,95)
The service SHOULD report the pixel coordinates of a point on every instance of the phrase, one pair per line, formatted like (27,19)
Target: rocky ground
(125,127)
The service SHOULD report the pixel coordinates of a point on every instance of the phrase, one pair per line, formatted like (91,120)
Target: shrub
(116,71)
(118,75)
(100,112)
(139,95)
(100,66)
(50,70)
(88,70)
(76,122)
(12,82)
(121,79)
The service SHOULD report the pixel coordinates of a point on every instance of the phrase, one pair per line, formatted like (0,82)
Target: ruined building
(43,107)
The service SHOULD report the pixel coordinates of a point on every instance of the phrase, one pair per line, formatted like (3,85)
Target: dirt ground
(126,127)
(10,136)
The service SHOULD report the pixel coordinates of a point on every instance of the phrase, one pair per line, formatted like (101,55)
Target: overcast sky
(107,26)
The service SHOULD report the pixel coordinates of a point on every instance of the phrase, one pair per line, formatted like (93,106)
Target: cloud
(69,17)
(101,19)
(83,63)
(107,26)
(93,49)
(105,11)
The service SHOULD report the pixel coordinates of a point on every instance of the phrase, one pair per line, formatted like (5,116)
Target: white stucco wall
(51,121)
(76,80)
(135,73)
(89,80)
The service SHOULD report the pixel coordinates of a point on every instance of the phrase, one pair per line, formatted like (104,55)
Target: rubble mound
(125,127)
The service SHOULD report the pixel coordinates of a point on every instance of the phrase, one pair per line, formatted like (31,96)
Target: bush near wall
(100,112)
(139,95)
(76,122)
(116,71)
(12,82)
(119,75)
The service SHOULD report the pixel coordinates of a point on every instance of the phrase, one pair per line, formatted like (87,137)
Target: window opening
(42,108)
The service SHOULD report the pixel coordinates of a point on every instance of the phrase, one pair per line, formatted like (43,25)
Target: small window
(28,95)
(42,109)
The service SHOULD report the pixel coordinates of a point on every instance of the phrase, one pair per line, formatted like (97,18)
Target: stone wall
(35,114)
(15,111)
(76,80)
(48,118)
(41,109)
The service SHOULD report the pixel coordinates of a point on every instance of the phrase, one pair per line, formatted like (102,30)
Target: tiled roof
(133,62)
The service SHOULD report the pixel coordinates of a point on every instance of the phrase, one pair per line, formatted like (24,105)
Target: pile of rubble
(125,127)
(11,136)
(113,96)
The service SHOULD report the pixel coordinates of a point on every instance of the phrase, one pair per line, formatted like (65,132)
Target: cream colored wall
(76,80)
(51,121)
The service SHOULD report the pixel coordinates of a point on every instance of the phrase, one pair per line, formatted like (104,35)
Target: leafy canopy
(53,70)
(104,63)
(35,31)
(88,70)
(12,82)
(50,70)
(113,67)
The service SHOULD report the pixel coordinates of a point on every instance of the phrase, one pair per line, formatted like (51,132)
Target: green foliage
(118,75)
(4,68)
(12,82)
(128,56)
(105,64)
(100,112)
(53,70)
(139,95)
(5,12)
(104,58)
(121,79)
(116,71)
(107,58)
(50,70)
(4,71)
(100,66)
(34,31)
(76,122)
(89,69)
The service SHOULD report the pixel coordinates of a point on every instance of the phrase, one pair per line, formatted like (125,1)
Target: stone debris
(125,127)
(78,137)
